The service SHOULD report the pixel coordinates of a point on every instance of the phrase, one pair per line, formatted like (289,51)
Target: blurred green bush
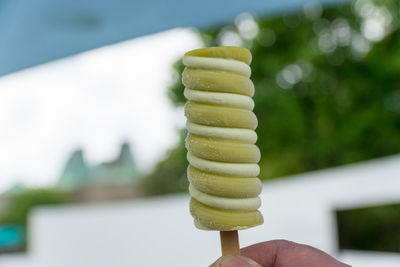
(327,88)
(22,203)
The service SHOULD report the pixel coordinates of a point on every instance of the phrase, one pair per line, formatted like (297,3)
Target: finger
(282,253)
(235,261)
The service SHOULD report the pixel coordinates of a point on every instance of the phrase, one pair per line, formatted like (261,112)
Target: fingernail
(237,261)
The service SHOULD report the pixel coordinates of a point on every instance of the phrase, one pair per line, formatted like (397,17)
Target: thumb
(235,261)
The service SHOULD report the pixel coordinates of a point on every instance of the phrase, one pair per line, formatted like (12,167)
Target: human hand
(279,253)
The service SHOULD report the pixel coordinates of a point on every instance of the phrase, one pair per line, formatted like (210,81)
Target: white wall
(159,231)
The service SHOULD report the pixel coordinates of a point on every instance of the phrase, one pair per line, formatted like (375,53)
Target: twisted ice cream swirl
(221,139)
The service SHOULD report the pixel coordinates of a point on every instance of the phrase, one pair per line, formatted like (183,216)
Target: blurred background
(92,156)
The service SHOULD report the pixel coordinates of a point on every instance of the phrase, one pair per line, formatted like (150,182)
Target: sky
(95,101)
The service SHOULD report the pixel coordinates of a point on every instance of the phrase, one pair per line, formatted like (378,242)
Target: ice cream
(221,139)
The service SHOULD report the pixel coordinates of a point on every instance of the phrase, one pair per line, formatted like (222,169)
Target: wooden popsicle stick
(229,243)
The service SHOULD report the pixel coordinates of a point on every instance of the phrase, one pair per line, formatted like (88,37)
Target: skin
(279,253)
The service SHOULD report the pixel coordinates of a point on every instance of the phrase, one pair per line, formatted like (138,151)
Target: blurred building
(116,179)
(77,173)
(79,182)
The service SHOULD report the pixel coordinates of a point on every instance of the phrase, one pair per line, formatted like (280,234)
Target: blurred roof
(78,174)
(35,32)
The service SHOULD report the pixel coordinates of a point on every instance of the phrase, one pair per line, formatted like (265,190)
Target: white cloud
(94,100)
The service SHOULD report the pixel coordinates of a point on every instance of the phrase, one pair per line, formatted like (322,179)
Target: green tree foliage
(22,204)
(169,176)
(327,87)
